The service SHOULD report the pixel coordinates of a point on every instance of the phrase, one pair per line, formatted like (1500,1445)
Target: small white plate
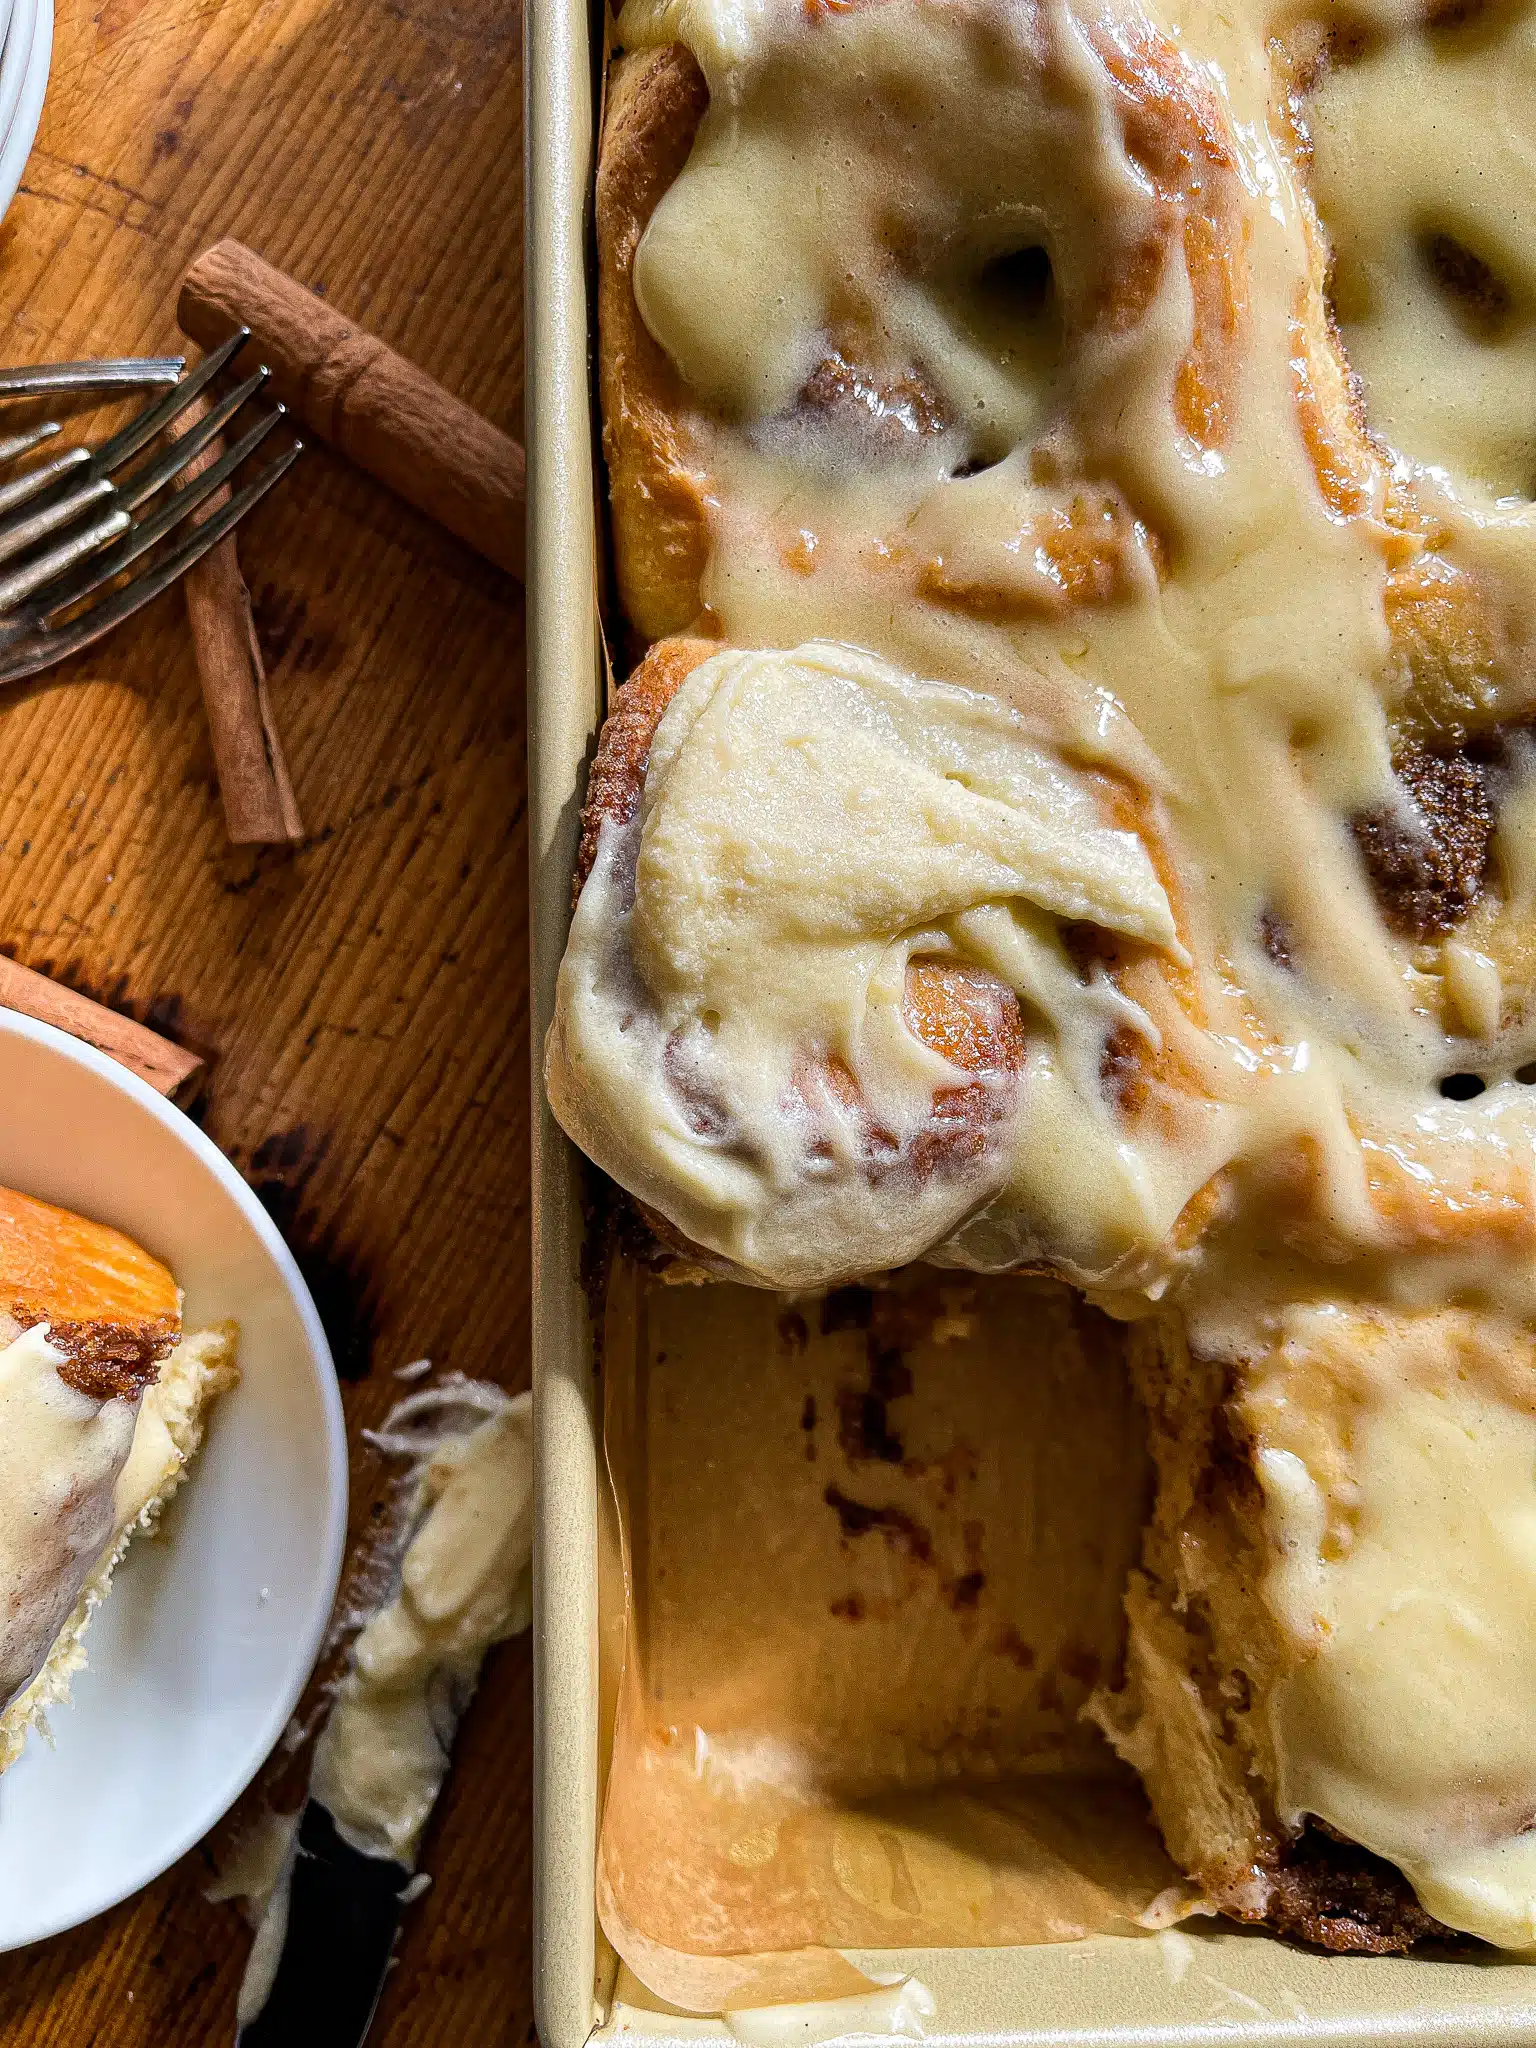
(23,83)
(200,1652)
(15,50)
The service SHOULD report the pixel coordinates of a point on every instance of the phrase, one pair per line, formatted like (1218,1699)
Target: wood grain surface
(361,999)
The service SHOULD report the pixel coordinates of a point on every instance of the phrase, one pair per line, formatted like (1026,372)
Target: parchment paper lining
(866,1568)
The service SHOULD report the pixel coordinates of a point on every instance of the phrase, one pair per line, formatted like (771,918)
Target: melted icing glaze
(1399,1470)
(1424,159)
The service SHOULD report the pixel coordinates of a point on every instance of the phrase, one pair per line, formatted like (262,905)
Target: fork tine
(157,417)
(31,481)
(42,649)
(15,540)
(63,507)
(133,490)
(23,582)
(109,373)
(140,537)
(23,444)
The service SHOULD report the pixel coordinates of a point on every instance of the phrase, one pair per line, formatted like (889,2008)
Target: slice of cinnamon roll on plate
(1078,810)
(103,1401)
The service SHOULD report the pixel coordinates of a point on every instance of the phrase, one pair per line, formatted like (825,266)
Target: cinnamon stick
(380,410)
(258,799)
(167,1068)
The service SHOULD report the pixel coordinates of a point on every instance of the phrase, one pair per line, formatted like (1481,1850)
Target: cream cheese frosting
(61,1453)
(812,822)
(1398,1462)
(461,1572)
(464,1585)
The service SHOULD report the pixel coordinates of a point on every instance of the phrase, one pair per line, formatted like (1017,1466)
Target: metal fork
(68,524)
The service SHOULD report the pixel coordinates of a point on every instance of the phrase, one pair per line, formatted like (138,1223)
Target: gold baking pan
(1199,1982)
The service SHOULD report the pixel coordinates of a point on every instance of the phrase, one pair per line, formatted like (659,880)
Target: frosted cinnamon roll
(837,993)
(1329,1682)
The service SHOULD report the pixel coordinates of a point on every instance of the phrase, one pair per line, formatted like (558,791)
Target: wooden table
(362,999)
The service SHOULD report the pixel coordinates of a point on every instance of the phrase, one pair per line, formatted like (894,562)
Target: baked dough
(655,486)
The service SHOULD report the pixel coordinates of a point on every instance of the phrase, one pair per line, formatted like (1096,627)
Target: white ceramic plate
(14,51)
(23,82)
(198,1656)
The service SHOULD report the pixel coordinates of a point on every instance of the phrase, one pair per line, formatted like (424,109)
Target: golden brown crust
(1447,652)
(1176,131)
(107,1303)
(624,744)
(657,487)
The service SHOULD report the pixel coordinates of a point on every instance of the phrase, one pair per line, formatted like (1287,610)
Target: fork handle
(376,407)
